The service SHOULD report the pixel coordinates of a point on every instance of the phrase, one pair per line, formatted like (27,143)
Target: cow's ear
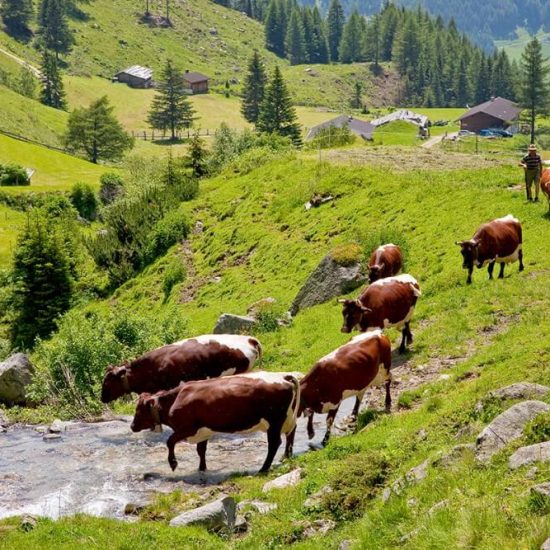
(459,243)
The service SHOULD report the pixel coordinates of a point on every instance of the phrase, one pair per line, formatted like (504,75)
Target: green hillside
(261,242)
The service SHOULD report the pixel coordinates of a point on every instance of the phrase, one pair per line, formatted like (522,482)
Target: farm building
(136,77)
(495,113)
(404,114)
(359,127)
(197,83)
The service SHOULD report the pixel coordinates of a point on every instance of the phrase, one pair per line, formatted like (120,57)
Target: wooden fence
(151,135)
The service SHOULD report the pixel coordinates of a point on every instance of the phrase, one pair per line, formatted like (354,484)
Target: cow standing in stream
(254,402)
(388,302)
(499,241)
(206,356)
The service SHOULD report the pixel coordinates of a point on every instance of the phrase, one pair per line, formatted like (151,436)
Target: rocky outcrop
(542,491)
(15,375)
(328,281)
(257,505)
(235,324)
(286,480)
(522,390)
(539,452)
(215,516)
(506,427)
(412,477)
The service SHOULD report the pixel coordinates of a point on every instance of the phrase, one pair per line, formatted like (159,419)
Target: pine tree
(277,115)
(275,28)
(43,283)
(462,86)
(319,52)
(53,92)
(335,28)
(295,43)
(97,133)
(351,46)
(357,91)
(196,157)
(534,88)
(53,26)
(373,43)
(390,18)
(254,88)
(17,15)
(483,82)
(171,110)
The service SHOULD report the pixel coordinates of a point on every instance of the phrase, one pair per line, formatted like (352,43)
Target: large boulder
(506,427)
(15,375)
(521,390)
(329,280)
(545,545)
(540,452)
(215,516)
(234,324)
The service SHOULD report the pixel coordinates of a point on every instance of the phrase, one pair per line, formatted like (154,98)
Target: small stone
(241,525)
(57,427)
(215,516)
(319,527)
(540,452)
(542,490)
(445,377)
(531,473)
(386,494)
(545,545)
(286,480)
(420,472)
(16,374)
(412,502)
(51,437)
(316,499)
(422,434)
(28,523)
(258,505)
(438,506)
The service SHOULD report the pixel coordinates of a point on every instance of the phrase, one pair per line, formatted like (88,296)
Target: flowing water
(98,468)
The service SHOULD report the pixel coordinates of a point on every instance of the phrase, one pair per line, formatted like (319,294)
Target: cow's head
(115,383)
(147,415)
(375,272)
(352,311)
(469,251)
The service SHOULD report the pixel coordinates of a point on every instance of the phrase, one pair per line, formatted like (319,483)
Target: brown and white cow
(545,184)
(385,261)
(348,371)
(206,356)
(259,401)
(388,302)
(498,241)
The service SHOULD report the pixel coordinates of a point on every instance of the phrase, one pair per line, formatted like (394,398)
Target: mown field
(262,242)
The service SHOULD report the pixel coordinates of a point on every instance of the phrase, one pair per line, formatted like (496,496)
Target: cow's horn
(342,301)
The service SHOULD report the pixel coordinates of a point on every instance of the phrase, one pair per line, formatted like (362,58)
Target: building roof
(138,71)
(359,127)
(404,114)
(497,107)
(194,77)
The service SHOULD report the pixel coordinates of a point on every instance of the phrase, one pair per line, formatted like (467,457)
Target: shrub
(13,174)
(111,187)
(171,229)
(173,275)
(347,254)
(538,430)
(84,200)
(331,137)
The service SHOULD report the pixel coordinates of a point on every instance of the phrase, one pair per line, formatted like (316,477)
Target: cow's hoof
(402,350)
(310,435)
(521,268)
(173,464)
(468,281)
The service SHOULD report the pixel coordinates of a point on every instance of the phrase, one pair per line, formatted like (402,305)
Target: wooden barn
(196,83)
(136,77)
(495,113)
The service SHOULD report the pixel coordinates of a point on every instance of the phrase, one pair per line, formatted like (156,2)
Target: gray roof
(497,107)
(138,71)
(194,77)
(359,127)
(403,114)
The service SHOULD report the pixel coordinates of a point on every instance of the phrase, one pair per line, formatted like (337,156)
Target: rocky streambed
(99,468)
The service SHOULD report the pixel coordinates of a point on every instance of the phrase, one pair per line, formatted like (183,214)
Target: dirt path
(437,139)
(36,72)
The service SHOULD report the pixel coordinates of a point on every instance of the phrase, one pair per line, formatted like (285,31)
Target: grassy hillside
(262,242)
(10,223)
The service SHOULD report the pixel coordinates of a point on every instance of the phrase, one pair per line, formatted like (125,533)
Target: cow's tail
(295,393)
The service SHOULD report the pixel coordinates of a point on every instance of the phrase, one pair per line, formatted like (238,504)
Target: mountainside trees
(17,15)
(53,26)
(254,87)
(53,92)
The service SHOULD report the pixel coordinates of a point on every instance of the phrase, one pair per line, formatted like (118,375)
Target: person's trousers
(532,176)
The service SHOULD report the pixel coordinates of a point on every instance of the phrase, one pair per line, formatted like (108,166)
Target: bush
(173,275)
(84,200)
(538,430)
(171,229)
(331,137)
(13,174)
(347,254)
(111,187)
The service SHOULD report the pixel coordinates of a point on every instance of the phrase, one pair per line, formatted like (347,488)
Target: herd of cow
(202,386)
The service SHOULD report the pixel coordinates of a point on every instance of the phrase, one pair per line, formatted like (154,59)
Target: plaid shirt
(533,162)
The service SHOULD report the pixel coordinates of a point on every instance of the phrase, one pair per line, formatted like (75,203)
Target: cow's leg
(469,279)
(520,253)
(490,269)
(403,346)
(310,430)
(501,273)
(201,451)
(273,444)
(330,421)
(171,443)
(387,401)
(289,447)
(386,365)
(409,333)
(358,400)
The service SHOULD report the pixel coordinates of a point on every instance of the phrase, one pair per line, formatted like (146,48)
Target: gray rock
(522,390)
(57,426)
(215,516)
(438,506)
(319,527)
(258,306)
(506,427)
(28,523)
(286,480)
(412,477)
(4,421)
(328,281)
(241,525)
(51,437)
(15,375)
(316,499)
(454,454)
(545,545)
(540,452)
(234,324)
(542,491)
(257,505)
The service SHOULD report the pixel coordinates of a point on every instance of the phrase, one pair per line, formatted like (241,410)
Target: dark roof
(194,78)
(359,127)
(497,107)
(138,72)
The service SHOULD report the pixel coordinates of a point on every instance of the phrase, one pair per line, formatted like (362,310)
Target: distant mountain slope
(483,21)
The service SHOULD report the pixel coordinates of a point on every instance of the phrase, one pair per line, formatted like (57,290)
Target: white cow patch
(403,278)
(204,434)
(380,250)
(399,324)
(228,372)
(233,341)
(504,259)
(374,332)
(508,218)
